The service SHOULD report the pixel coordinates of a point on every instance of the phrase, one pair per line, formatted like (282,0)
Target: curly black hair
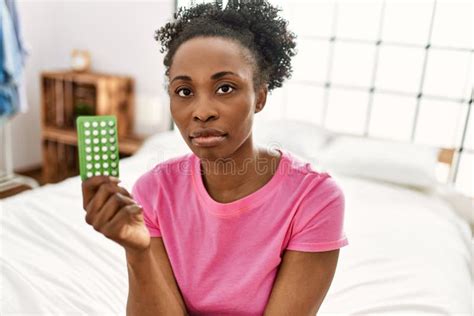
(253,23)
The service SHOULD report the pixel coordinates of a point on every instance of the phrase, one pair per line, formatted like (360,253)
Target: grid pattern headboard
(399,70)
(432,49)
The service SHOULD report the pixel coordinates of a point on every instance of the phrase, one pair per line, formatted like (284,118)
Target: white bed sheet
(409,253)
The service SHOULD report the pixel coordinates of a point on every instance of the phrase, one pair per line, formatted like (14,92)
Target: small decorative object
(81,60)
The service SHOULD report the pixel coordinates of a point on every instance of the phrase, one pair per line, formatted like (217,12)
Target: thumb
(134,208)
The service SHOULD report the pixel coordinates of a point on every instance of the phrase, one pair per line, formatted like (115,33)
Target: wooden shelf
(60,135)
(128,145)
(67,94)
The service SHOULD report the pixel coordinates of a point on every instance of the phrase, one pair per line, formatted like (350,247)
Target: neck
(231,178)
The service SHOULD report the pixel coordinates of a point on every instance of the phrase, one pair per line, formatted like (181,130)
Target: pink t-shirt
(225,256)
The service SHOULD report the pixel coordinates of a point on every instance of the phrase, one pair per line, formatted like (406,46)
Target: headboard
(446,155)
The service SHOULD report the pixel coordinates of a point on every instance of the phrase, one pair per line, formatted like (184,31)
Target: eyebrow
(213,77)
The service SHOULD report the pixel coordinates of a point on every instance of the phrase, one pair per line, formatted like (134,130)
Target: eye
(226,90)
(188,92)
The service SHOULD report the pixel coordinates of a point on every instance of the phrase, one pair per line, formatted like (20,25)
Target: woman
(230,228)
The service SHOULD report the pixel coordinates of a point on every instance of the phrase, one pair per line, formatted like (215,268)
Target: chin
(211,153)
(208,153)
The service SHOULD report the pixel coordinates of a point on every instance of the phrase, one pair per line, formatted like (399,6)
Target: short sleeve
(319,220)
(142,192)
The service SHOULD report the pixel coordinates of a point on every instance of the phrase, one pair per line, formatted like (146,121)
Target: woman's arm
(152,287)
(302,282)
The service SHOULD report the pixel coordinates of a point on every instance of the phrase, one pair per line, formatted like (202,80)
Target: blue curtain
(12,59)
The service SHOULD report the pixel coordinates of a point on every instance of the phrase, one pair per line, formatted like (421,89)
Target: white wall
(119,36)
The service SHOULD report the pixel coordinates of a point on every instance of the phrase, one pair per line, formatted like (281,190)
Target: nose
(205,112)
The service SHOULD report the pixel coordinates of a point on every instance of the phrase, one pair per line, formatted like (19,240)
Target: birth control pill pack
(97,146)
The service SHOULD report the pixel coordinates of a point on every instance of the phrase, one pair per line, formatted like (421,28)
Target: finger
(102,194)
(92,184)
(108,210)
(126,193)
(99,199)
(113,226)
(127,199)
(133,208)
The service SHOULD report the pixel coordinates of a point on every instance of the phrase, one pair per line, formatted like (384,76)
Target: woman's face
(211,86)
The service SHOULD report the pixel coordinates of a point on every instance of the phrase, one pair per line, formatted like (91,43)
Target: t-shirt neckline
(243,204)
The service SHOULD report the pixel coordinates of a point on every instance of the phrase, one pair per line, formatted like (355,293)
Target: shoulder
(170,168)
(316,185)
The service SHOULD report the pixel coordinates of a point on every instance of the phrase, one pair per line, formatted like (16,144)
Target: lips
(207,137)
(208,141)
(207,132)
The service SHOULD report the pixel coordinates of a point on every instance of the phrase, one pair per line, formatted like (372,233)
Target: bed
(409,253)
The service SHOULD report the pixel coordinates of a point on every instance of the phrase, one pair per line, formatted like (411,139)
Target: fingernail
(119,194)
(134,210)
(114,179)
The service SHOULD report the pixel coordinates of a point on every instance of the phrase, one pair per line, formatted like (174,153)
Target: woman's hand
(112,211)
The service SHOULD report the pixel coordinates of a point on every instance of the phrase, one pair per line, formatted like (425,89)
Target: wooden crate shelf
(128,144)
(63,95)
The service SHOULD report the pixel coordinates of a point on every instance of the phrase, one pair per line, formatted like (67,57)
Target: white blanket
(409,253)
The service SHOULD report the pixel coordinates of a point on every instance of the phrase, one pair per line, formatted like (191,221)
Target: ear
(261,98)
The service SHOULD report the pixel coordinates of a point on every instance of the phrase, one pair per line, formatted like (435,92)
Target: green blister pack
(97,142)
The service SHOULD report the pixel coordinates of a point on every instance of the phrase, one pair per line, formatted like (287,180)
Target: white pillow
(299,137)
(163,143)
(405,164)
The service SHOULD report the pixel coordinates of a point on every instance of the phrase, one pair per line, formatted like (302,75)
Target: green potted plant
(82,108)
